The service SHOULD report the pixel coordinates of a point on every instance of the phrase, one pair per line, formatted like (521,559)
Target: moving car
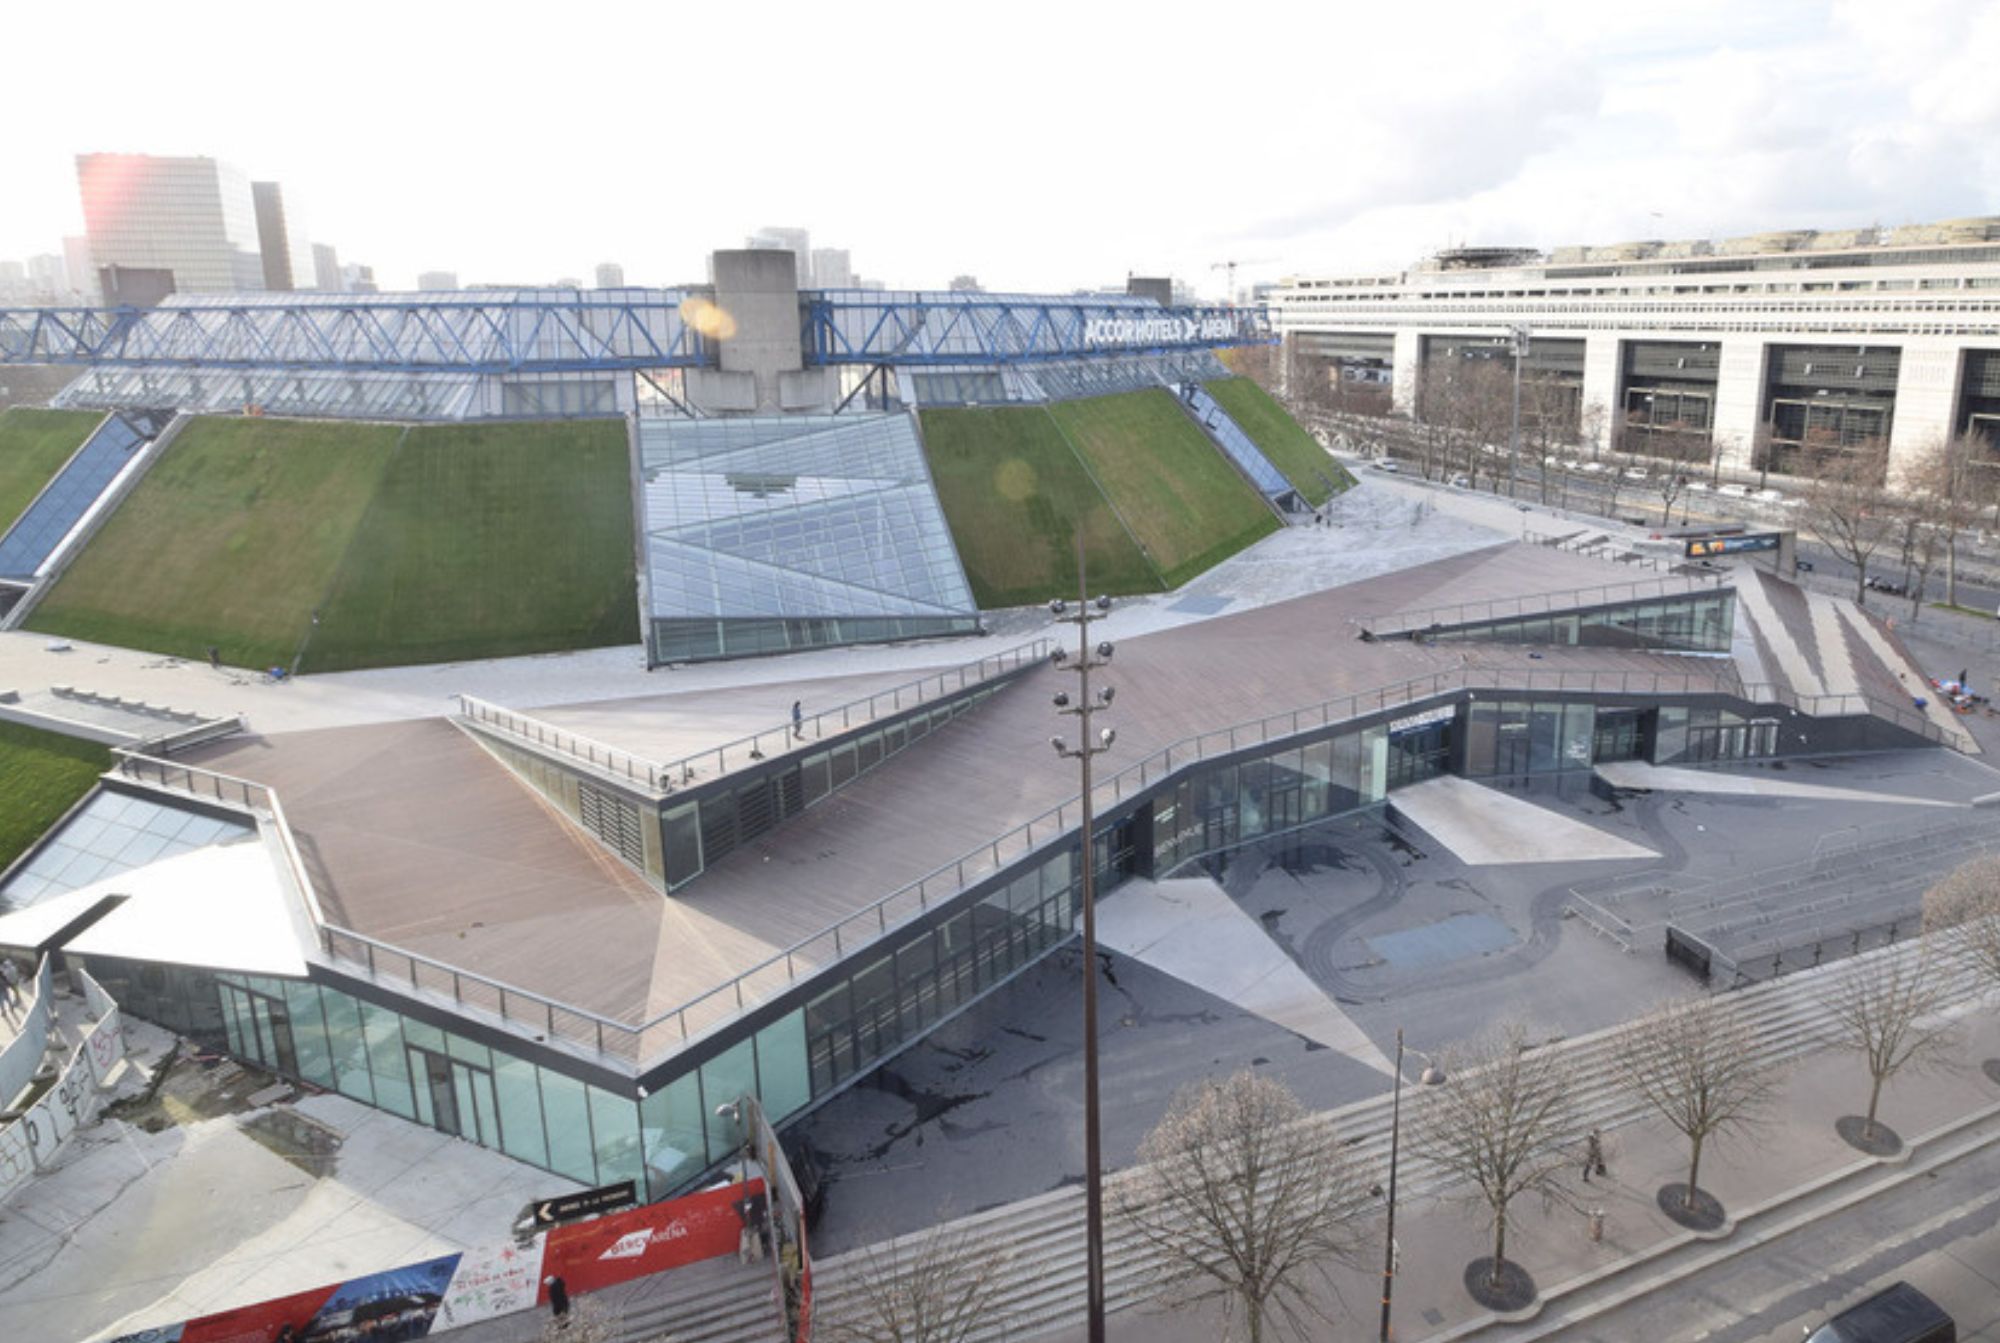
(1386,464)
(1898,1313)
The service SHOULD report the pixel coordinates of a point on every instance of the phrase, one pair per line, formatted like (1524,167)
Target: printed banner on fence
(440,1295)
(652,1239)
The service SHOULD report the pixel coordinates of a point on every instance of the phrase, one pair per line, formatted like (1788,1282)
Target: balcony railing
(662,777)
(548,1020)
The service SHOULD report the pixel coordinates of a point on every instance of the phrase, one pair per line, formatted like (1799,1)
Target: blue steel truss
(552,331)
(507,331)
(854,326)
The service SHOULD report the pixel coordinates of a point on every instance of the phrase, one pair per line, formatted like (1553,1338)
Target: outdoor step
(1044,1234)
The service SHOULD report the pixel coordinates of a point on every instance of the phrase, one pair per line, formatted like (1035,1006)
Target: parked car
(1460,479)
(1769,497)
(1635,473)
(1733,490)
(1698,487)
(1386,464)
(1592,468)
(1898,1313)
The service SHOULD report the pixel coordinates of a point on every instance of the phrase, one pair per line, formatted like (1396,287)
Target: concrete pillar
(1602,351)
(758,289)
(1739,397)
(1927,387)
(1406,359)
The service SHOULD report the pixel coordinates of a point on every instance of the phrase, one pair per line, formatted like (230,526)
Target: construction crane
(1231,266)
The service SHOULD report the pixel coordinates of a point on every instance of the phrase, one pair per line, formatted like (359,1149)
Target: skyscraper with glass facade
(195,219)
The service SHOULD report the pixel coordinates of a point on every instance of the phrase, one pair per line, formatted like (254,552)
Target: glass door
(454,1097)
(259,1028)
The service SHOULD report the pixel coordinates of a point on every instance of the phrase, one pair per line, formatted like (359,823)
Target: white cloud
(1039,145)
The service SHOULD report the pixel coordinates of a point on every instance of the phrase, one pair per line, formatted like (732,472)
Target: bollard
(1596,1225)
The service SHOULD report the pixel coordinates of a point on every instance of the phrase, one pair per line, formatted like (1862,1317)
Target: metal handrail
(1392,623)
(874,921)
(661,777)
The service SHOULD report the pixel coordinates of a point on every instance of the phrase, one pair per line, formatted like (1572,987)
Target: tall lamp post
(1517,336)
(1431,1076)
(1088,746)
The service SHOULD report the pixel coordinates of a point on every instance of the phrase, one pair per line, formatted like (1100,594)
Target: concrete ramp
(1191,929)
(1483,826)
(1670,779)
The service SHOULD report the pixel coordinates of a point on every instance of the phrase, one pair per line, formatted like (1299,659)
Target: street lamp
(1517,336)
(1089,745)
(1431,1076)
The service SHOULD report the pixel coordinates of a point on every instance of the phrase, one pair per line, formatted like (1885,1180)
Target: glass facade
(1696,623)
(674,841)
(114,832)
(323,393)
(768,534)
(36,533)
(1220,807)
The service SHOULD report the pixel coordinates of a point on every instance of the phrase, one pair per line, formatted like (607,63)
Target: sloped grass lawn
(42,774)
(1015,495)
(33,446)
(1291,449)
(1180,496)
(485,541)
(231,540)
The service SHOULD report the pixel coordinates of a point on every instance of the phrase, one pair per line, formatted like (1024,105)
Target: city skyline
(1539,126)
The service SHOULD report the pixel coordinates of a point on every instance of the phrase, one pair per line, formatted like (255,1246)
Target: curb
(1718,1247)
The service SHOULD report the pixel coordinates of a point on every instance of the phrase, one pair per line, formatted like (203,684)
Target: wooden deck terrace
(415,836)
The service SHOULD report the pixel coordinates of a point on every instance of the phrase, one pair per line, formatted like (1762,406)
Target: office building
(82,276)
(161,226)
(797,241)
(281,237)
(610,275)
(1747,350)
(832,268)
(326,268)
(437,281)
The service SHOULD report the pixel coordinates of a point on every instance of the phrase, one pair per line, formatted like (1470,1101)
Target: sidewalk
(1796,1163)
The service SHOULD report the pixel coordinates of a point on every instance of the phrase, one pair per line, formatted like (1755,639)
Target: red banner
(258,1323)
(651,1239)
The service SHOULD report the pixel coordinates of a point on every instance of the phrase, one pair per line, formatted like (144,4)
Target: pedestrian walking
(214,657)
(10,985)
(798,720)
(558,1299)
(1593,1155)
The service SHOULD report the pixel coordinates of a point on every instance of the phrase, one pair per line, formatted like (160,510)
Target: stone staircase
(1042,1285)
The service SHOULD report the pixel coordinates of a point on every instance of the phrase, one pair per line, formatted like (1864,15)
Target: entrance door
(1419,753)
(454,1097)
(1620,734)
(259,1028)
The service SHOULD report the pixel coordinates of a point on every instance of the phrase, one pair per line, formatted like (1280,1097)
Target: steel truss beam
(507,333)
(855,327)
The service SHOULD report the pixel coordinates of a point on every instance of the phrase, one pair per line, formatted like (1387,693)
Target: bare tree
(1962,915)
(1694,1060)
(1946,485)
(1847,507)
(939,1290)
(1247,1200)
(1499,1125)
(1886,1011)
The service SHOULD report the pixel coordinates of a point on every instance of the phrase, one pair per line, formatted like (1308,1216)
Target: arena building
(1847,335)
(570,933)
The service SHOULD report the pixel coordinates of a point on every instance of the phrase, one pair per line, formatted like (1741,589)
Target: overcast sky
(1039,147)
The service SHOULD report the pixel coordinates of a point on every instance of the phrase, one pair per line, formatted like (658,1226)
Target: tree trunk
(1499,1245)
(1951,569)
(1694,1174)
(1874,1099)
(1255,1310)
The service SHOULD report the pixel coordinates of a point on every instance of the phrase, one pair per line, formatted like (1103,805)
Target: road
(1940,1232)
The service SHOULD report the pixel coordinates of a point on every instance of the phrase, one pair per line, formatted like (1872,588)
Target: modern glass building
(768,534)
